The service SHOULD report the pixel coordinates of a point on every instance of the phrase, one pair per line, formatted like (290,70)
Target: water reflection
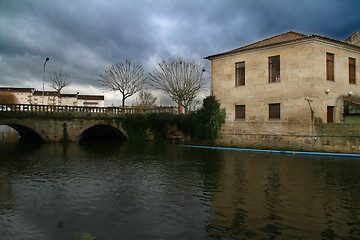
(150,191)
(286,197)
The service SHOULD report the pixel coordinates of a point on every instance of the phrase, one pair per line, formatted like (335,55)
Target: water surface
(139,191)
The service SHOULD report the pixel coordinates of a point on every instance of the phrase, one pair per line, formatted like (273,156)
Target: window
(330,66)
(274,111)
(352,71)
(330,114)
(240,74)
(239,111)
(274,69)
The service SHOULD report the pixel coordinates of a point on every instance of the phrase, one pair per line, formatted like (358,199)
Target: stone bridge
(67,123)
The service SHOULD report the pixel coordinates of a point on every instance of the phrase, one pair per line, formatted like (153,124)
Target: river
(161,191)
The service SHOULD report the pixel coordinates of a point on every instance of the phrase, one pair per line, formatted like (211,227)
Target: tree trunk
(180,106)
(123,102)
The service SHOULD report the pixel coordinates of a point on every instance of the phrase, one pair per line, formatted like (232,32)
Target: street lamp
(211,83)
(46,60)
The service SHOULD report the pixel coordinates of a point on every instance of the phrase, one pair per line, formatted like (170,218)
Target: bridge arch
(25,133)
(63,128)
(102,132)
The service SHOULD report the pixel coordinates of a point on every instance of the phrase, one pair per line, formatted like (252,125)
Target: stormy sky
(84,37)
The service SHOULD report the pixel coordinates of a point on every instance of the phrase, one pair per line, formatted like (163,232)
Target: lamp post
(46,60)
(211,83)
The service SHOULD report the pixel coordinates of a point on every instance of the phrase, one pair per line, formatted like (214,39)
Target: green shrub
(135,125)
(202,126)
(210,118)
(158,123)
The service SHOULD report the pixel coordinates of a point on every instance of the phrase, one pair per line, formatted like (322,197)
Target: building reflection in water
(266,196)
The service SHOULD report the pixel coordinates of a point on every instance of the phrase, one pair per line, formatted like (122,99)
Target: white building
(32,96)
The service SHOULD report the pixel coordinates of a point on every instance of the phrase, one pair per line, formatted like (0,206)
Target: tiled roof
(275,39)
(280,39)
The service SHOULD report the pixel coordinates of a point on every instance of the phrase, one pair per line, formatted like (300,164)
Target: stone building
(276,92)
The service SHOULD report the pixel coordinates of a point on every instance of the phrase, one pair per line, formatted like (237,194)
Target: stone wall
(339,137)
(327,137)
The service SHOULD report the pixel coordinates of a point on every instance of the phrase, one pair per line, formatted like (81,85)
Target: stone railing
(76,109)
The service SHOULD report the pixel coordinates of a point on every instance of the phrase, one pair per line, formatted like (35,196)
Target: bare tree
(181,79)
(145,99)
(58,82)
(191,106)
(7,98)
(125,77)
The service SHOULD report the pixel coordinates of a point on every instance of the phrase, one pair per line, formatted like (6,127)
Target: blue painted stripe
(277,151)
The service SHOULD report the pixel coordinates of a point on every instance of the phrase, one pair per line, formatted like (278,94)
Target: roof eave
(313,36)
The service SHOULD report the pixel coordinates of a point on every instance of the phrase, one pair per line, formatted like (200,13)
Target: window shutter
(274,111)
(330,66)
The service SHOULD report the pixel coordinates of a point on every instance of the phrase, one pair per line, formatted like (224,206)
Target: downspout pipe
(312,117)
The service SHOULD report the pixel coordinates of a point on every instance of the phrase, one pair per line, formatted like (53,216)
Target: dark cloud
(85,37)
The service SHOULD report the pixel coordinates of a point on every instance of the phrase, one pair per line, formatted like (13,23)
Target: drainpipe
(312,117)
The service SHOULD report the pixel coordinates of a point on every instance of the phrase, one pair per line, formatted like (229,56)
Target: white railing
(76,109)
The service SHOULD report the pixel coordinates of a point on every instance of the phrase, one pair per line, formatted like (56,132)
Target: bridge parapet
(68,123)
(81,109)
